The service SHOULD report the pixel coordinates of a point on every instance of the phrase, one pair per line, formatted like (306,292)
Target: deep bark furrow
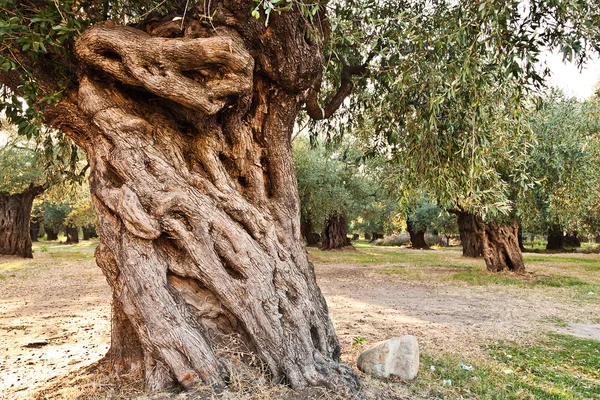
(202,222)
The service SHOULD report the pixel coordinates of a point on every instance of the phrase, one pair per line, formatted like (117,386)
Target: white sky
(567,76)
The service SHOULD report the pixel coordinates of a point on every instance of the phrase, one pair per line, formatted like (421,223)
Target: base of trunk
(34,230)
(311,238)
(72,235)
(417,238)
(572,240)
(89,232)
(15,211)
(555,238)
(335,233)
(501,246)
(51,234)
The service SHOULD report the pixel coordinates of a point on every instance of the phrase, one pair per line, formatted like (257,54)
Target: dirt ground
(54,320)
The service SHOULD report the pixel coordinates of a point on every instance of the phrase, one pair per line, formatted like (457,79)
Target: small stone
(398,357)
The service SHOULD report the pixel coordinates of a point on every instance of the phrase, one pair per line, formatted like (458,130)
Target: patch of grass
(80,251)
(13,265)
(2,276)
(479,277)
(403,257)
(559,367)
(587,263)
(556,321)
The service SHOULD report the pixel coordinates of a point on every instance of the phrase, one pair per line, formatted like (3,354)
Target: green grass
(83,250)
(558,367)
(451,266)
(556,321)
(381,255)
(14,265)
(589,264)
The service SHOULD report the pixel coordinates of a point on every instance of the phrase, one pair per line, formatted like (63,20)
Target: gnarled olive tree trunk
(471,240)
(335,233)
(15,211)
(417,238)
(193,181)
(500,245)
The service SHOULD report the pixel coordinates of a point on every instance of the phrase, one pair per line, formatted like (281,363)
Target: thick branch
(201,73)
(346,85)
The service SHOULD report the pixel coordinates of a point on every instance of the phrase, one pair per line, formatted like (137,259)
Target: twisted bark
(193,181)
(500,245)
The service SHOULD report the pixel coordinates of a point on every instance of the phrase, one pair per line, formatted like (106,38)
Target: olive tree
(185,110)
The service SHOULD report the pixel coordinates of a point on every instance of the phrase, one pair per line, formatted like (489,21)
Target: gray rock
(398,357)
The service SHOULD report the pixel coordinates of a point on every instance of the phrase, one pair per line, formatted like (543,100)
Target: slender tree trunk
(500,246)
(335,233)
(417,238)
(470,238)
(72,235)
(193,181)
(15,211)
(555,238)
(51,234)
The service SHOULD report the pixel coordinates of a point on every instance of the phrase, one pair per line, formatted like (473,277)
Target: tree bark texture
(15,211)
(72,235)
(188,137)
(417,238)
(500,246)
(335,233)
(555,238)
(472,242)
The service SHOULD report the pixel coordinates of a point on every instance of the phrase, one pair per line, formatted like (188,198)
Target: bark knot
(200,73)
